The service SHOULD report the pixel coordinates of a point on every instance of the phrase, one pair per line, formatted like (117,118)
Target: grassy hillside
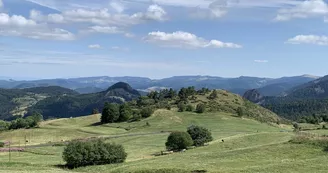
(250,146)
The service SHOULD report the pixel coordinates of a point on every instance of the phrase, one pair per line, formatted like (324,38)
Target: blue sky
(162,38)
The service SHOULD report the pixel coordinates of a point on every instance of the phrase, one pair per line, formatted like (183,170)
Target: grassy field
(250,146)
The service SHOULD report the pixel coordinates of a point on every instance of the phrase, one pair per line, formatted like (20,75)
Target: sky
(162,38)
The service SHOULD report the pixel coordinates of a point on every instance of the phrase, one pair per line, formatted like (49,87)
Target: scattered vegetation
(78,153)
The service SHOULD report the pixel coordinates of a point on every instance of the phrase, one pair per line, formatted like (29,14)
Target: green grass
(250,146)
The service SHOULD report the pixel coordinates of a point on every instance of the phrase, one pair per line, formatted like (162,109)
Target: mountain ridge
(237,85)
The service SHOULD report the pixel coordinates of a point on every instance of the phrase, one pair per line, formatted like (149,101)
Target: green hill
(249,145)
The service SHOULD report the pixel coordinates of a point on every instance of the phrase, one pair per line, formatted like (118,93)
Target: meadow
(249,145)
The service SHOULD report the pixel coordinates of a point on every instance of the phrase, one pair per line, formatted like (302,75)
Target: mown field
(249,146)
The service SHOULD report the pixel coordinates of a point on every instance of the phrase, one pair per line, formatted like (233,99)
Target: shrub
(200,108)
(190,108)
(178,141)
(2,144)
(199,135)
(4,125)
(146,112)
(78,153)
(181,107)
(95,111)
(240,112)
(213,95)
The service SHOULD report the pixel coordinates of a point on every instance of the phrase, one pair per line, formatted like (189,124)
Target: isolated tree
(181,107)
(110,113)
(199,135)
(178,141)
(125,113)
(200,108)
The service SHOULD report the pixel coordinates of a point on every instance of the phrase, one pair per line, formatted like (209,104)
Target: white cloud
(104,29)
(129,35)
(1,4)
(305,9)
(156,12)
(117,6)
(120,48)
(94,46)
(261,61)
(309,39)
(20,26)
(101,16)
(15,21)
(182,39)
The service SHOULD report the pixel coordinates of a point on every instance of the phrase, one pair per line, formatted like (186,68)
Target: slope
(250,146)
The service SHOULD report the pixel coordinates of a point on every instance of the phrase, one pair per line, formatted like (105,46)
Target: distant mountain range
(58,102)
(266,86)
(304,100)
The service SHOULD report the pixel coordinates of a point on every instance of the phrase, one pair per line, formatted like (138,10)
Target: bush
(199,135)
(77,153)
(200,108)
(4,125)
(240,112)
(178,141)
(213,95)
(190,108)
(181,107)
(2,144)
(146,112)
(136,116)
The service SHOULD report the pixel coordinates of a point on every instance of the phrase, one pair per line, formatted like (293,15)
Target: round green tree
(110,113)
(199,135)
(200,108)
(178,141)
